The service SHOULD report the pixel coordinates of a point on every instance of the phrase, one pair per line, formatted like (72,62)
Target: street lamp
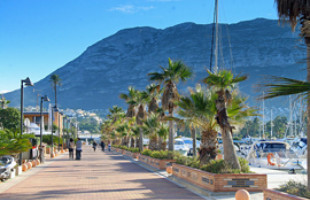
(27,82)
(42,158)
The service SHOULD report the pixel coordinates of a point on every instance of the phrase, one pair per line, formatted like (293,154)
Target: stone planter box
(118,150)
(157,163)
(130,154)
(220,182)
(276,195)
(48,150)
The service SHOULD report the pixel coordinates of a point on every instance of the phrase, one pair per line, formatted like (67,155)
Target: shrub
(134,150)
(295,188)
(245,168)
(215,166)
(47,139)
(146,152)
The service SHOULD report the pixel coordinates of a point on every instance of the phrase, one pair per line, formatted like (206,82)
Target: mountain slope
(95,79)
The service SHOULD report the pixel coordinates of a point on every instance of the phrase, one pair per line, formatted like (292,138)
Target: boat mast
(271,123)
(216,37)
(263,114)
(291,117)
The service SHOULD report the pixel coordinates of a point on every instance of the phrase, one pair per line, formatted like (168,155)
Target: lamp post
(42,158)
(27,82)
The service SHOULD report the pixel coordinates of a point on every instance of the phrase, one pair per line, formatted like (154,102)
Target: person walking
(71,147)
(109,146)
(78,149)
(94,145)
(102,144)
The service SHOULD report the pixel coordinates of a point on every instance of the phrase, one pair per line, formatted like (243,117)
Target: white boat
(275,155)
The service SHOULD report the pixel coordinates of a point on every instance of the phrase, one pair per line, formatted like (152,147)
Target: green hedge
(47,139)
(295,188)
(214,166)
(131,149)
(159,154)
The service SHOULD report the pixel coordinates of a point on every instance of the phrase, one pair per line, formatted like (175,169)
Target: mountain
(95,79)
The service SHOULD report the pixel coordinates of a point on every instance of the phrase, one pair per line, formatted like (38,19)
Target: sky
(40,36)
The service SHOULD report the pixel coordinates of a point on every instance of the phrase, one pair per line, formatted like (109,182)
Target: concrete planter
(220,182)
(157,163)
(276,195)
(131,154)
(118,150)
(18,170)
(48,150)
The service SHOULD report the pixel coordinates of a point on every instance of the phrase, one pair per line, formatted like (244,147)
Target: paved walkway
(97,176)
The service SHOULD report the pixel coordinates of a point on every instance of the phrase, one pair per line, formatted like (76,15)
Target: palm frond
(286,86)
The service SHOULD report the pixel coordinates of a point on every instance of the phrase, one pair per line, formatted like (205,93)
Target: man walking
(78,149)
(102,145)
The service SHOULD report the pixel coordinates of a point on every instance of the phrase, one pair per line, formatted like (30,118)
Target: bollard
(242,195)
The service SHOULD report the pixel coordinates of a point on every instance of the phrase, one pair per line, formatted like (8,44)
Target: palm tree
(294,11)
(153,91)
(130,99)
(141,100)
(170,76)
(198,111)
(3,102)
(114,119)
(150,128)
(224,81)
(55,81)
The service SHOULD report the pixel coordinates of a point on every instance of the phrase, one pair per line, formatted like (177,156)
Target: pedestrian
(102,144)
(78,149)
(109,146)
(94,145)
(71,147)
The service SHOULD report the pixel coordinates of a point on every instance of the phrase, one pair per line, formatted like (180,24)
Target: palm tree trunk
(141,140)
(137,142)
(171,148)
(194,140)
(208,148)
(55,88)
(153,142)
(230,155)
(132,145)
(307,40)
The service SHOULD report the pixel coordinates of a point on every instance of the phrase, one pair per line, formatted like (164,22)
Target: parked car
(179,145)
(189,144)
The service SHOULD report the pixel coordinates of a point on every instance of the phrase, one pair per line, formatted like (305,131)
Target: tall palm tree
(224,81)
(56,81)
(170,76)
(294,11)
(130,99)
(153,91)
(141,100)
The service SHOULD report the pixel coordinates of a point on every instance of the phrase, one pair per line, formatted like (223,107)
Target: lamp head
(45,98)
(28,82)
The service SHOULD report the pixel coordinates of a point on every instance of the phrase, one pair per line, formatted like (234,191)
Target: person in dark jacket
(102,144)
(94,145)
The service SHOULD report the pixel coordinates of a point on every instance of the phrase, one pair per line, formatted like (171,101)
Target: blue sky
(40,36)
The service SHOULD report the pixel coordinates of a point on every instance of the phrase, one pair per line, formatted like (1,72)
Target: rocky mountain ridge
(95,79)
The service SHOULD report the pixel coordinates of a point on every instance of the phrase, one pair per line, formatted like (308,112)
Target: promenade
(99,175)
